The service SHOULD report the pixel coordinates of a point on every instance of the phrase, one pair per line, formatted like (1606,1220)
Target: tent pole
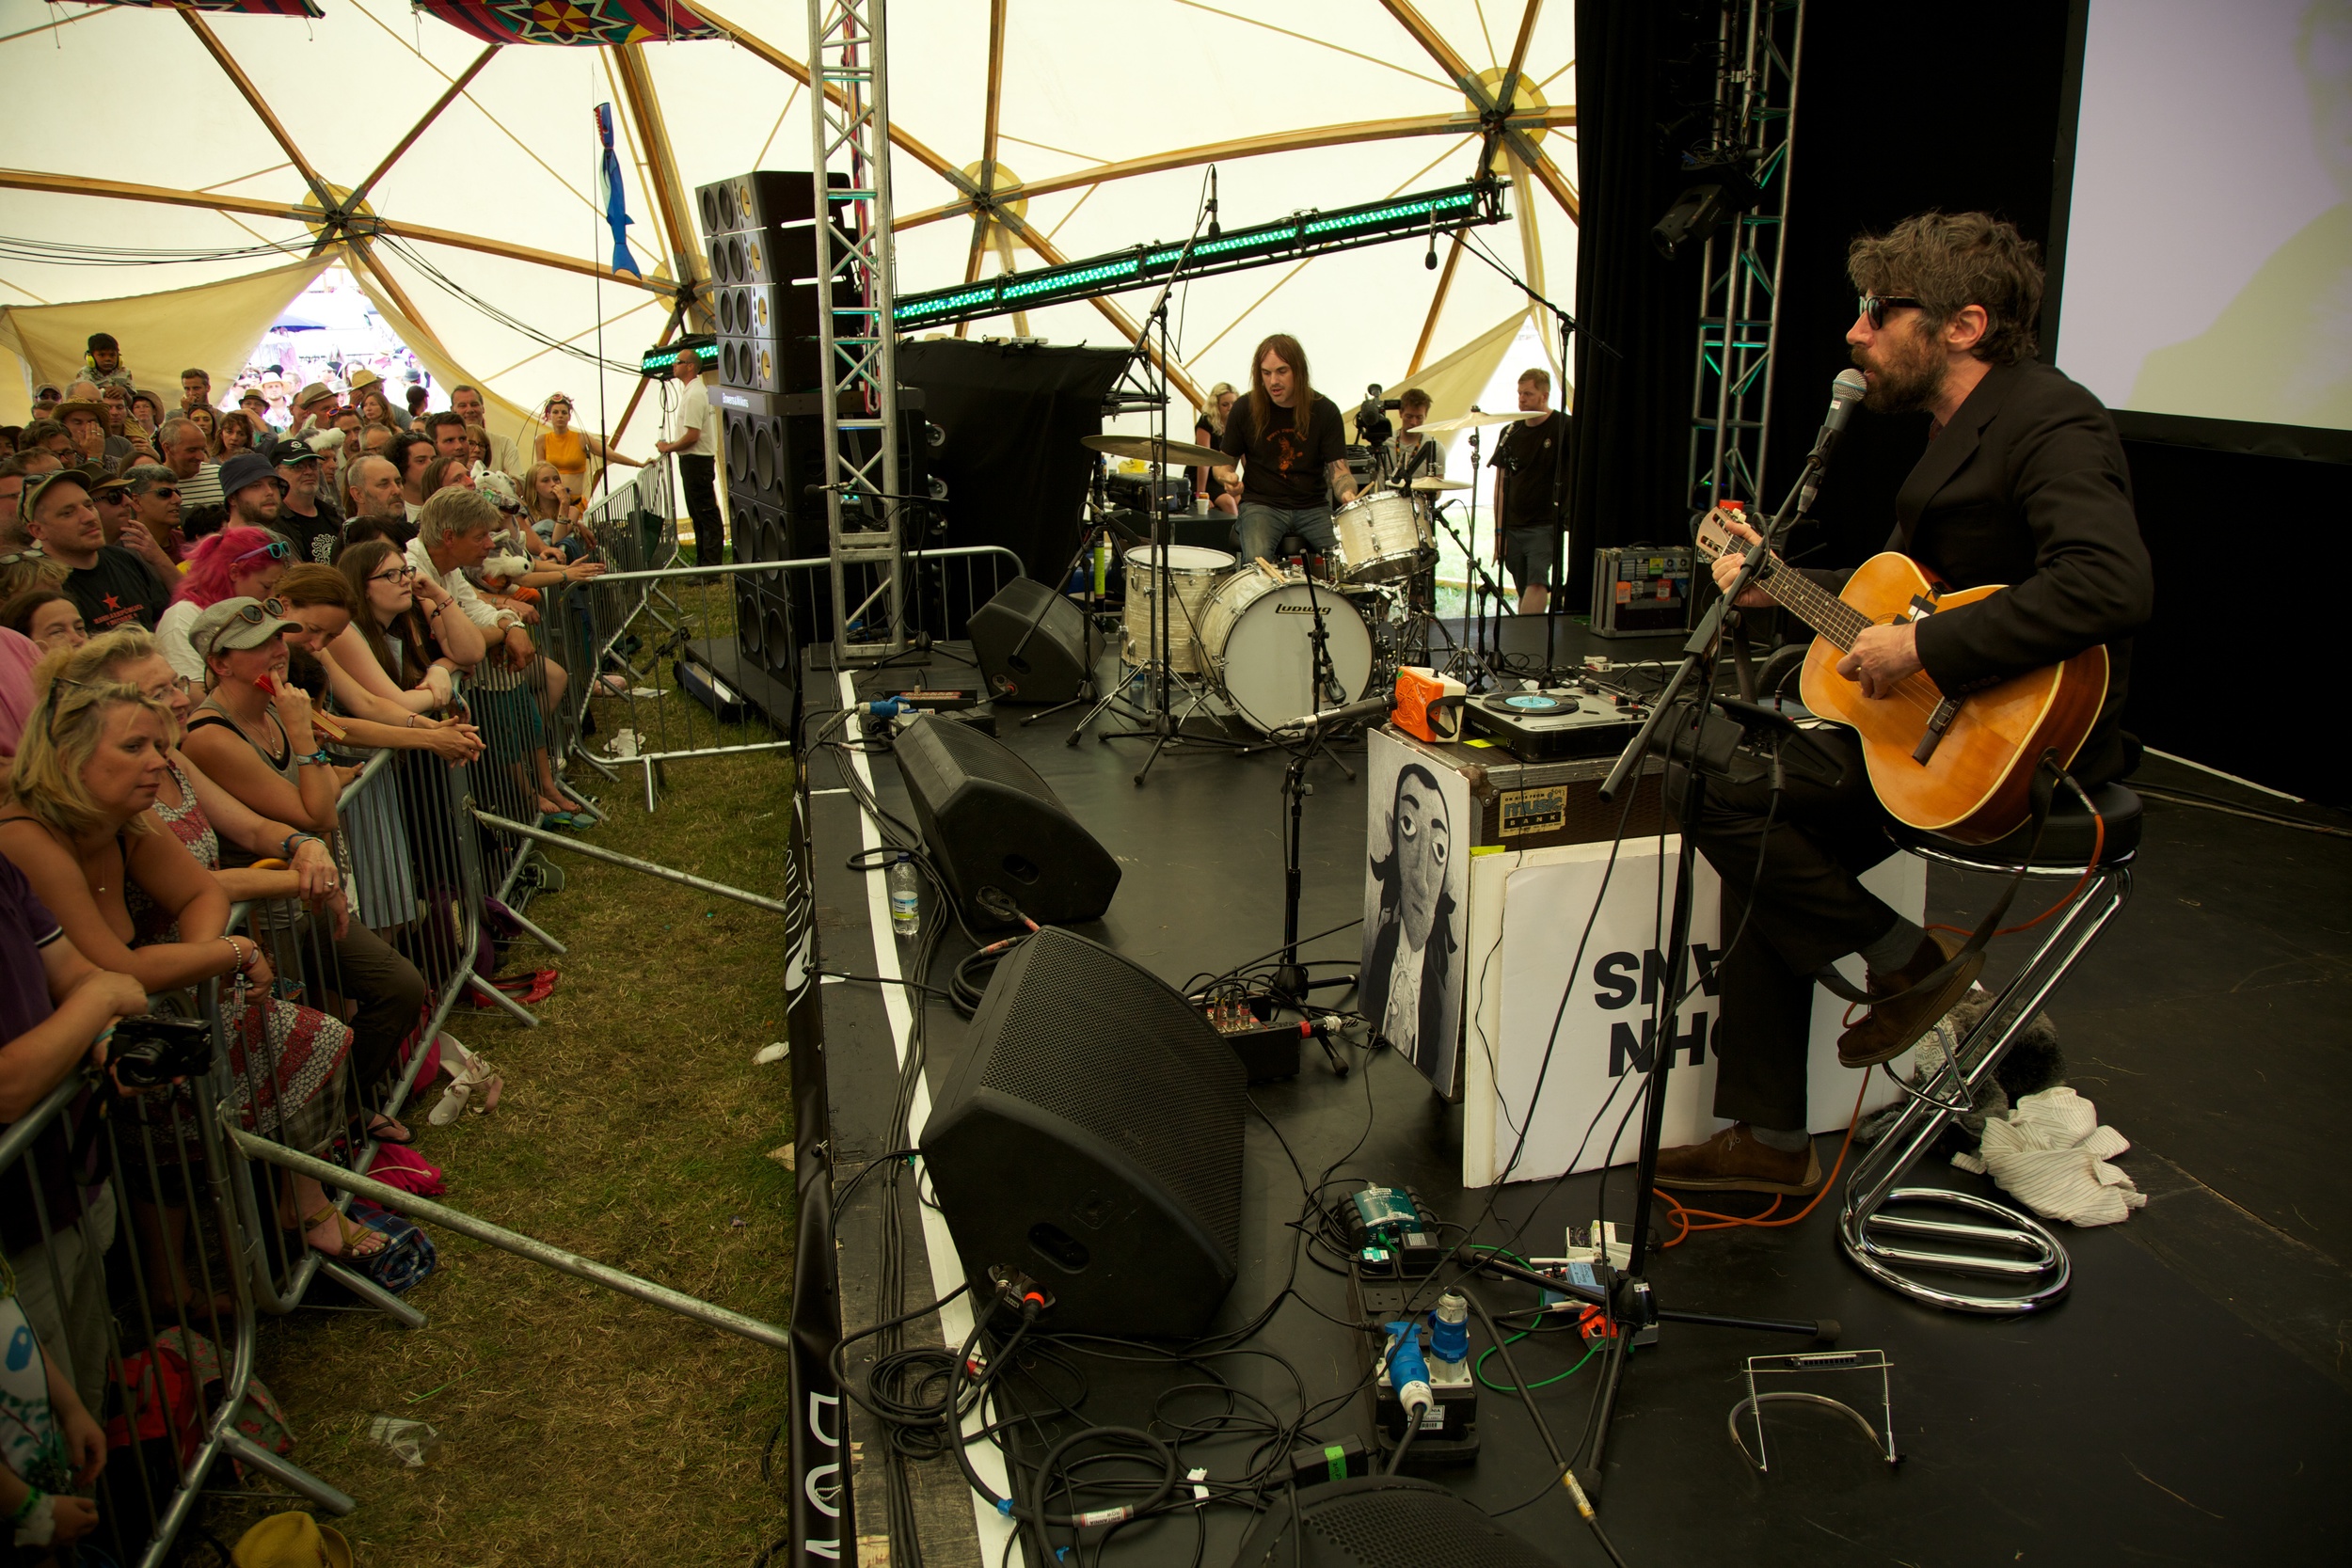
(1436,303)
(458,85)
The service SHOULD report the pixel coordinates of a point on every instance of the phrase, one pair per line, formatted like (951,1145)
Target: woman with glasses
(51,619)
(235,563)
(78,823)
(411,627)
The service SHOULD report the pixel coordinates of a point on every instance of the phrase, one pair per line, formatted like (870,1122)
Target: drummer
(1414,455)
(1289,443)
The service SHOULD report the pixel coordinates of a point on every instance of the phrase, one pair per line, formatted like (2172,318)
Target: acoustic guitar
(1960,766)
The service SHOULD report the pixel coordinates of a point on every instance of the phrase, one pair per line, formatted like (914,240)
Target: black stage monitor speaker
(991,822)
(1044,665)
(1091,1137)
(1383,1522)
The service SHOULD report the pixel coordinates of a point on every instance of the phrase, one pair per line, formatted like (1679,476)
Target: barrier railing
(742,623)
(166,1366)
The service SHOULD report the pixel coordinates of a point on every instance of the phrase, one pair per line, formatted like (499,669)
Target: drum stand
(1158,724)
(1472,662)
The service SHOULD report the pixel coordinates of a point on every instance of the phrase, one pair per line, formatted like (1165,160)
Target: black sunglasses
(1875,307)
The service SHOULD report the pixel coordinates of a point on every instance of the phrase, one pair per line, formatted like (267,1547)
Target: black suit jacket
(2027,486)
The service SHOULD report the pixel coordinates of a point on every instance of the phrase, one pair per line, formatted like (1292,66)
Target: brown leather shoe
(1893,1027)
(1733,1162)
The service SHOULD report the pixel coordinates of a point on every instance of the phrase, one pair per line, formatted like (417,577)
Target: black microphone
(1371,707)
(1213,227)
(1844,393)
(1430,260)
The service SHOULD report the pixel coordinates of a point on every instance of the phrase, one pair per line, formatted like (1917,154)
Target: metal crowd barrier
(159,1348)
(744,623)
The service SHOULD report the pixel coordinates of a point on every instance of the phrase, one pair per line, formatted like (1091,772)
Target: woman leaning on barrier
(77,823)
(229,836)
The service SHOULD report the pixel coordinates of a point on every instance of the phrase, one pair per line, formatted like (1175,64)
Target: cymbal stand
(1468,662)
(1158,724)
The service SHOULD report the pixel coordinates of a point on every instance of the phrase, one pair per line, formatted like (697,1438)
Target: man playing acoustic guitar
(2024,482)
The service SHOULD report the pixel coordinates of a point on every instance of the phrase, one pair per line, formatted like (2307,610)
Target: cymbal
(1180,454)
(1467,421)
(1427,486)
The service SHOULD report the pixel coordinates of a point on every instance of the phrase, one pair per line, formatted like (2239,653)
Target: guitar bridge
(1938,722)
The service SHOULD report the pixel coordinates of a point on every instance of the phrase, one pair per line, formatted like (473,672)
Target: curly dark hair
(1948,260)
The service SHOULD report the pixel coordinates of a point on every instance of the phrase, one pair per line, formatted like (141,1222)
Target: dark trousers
(390,998)
(1810,911)
(699,475)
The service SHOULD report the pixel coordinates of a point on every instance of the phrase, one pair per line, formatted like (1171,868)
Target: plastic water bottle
(1449,1336)
(906,897)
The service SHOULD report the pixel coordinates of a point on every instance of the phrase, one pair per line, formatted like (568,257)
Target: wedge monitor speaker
(1033,645)
(1090,1135)
(992,823)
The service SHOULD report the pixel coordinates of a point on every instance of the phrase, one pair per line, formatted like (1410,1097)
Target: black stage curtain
(1635,85)
(1011,416)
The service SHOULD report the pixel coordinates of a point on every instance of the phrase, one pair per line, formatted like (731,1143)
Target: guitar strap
(2048,774)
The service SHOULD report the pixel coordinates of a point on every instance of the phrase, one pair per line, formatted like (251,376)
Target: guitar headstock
(1715,539)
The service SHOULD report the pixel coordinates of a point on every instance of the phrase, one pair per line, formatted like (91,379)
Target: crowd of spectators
(195,607)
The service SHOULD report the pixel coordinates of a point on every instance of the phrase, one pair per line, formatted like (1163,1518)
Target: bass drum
(1256,634)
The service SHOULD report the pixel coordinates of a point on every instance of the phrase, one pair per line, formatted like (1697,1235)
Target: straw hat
(291,1541)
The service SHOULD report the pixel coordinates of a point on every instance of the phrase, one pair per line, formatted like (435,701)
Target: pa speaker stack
(1090,1136)
(761,232)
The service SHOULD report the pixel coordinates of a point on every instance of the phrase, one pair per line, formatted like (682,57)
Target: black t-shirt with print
(1529,490)
(115,591)
(1281,470)
(314,537)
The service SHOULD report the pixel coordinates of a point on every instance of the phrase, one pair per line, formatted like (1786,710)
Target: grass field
(580,1427)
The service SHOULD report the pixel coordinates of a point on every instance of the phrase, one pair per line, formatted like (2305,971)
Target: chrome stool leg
(2011,1246)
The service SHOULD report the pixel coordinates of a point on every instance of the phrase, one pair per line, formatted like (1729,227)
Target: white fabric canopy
(506,173)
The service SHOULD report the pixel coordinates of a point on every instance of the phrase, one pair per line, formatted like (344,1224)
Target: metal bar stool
(1881,1227)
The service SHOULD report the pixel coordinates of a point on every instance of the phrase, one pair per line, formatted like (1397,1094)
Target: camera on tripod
(149,1053)
(1371,418)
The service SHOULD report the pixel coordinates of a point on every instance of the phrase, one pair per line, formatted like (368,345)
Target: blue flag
(616,198)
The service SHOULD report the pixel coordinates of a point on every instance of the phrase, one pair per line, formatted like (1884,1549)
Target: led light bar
(1300,235)
(660,362)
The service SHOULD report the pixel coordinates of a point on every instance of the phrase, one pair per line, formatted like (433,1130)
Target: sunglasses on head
(252,615)
(31,552)
(276,549)
(1874,307)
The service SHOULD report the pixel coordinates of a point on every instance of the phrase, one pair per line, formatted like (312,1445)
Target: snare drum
(1193,575)
(1256,633)
(1380,533)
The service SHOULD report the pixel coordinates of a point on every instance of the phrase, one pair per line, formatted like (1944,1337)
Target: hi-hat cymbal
(1426,485)
(1467,421)
(1180,454)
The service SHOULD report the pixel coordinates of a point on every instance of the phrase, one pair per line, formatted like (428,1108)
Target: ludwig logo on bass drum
(1297,610)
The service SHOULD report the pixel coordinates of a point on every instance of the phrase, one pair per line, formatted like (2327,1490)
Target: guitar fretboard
(1814,605)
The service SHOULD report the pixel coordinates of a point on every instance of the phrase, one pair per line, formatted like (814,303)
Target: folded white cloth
(2051,1155)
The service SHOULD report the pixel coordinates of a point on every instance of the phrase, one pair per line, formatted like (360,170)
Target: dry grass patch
(580,1427)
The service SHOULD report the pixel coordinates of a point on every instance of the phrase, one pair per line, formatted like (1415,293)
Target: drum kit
(1266,642)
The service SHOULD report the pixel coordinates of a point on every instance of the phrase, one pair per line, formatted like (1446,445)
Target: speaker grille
(1416,1529)
(1174,1106)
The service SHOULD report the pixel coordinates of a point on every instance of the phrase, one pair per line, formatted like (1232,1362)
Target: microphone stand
(1632,1302)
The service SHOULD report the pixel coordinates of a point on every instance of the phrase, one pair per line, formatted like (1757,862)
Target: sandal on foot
(388,1129)
(351,1239)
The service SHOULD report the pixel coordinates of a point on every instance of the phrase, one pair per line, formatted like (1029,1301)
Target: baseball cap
(38,485)
(239,623)
(291,450)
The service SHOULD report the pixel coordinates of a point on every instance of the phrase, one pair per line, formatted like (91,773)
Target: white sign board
(1528,910)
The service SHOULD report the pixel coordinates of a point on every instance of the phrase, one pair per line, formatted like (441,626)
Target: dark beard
(1908,381)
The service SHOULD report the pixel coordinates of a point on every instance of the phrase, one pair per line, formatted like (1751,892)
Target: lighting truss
(1470,205)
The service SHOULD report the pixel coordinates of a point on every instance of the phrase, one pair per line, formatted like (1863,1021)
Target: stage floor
(2188,1403)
